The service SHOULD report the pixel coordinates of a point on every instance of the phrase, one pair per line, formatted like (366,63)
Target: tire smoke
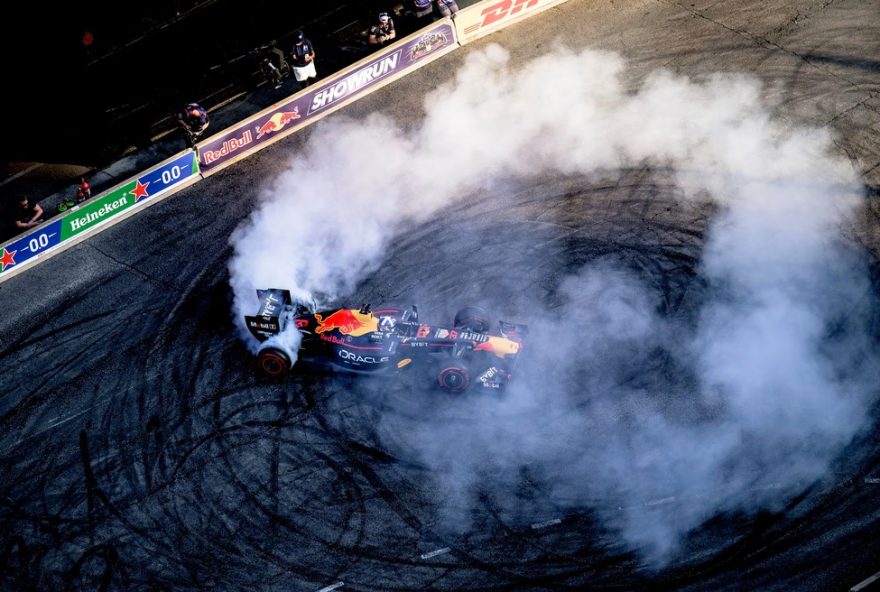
(772,378)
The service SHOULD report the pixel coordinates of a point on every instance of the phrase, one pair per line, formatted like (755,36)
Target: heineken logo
(108,208)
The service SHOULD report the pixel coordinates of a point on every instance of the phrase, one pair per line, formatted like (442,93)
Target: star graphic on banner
(8,259)
(140,190)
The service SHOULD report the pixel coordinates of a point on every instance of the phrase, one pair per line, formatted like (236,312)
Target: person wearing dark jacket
(303,60)
(194,120)
(382,32)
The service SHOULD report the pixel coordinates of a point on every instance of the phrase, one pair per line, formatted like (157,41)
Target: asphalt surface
(140,452)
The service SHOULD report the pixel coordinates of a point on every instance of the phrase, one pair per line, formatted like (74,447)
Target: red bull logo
(277,121)
(348,322)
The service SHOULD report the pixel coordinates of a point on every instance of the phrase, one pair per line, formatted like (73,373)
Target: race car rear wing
(270,319)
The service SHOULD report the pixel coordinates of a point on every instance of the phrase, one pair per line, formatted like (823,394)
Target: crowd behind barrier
(390,60)
(326,96)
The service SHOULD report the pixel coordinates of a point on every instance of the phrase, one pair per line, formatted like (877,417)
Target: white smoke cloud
(769,392)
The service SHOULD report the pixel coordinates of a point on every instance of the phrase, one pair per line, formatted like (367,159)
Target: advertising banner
(107,206)
(489,16)
(32,244)
(127,195)
(328,95)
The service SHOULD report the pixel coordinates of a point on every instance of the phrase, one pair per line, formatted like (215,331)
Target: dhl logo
(499,11)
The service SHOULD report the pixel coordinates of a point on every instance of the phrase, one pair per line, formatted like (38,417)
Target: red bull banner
(489,16)
(326,96)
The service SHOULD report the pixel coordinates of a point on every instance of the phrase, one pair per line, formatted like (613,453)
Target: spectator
(27,215)
(194,120)
(275,66)
(382,32)
(413,15)
(421,8)
(303,60)
(446,7)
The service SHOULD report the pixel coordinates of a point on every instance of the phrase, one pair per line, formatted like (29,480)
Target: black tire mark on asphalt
(110,557)
(189,410)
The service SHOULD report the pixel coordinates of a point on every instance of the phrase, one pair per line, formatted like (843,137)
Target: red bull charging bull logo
(348,322)
(277,121)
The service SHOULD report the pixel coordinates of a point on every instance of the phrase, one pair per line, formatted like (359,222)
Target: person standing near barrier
(421,8)
(303,60)
(382,32)
(446,7)
(194,120)
(27,215)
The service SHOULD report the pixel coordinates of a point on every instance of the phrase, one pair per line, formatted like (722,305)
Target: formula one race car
(385,341)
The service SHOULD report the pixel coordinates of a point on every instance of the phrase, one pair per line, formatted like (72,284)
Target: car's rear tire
(472,318)
(272,362)
(454,378)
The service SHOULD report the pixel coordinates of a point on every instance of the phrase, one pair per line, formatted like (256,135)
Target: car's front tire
(272,362)
(453,377)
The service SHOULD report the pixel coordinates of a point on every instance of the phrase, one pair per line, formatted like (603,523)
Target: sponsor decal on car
(471,336)
(264,326)
(347,321)
(487,378)
(332,339)
(356,358)
(270,306)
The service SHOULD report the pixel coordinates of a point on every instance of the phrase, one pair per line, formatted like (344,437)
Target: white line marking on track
(434,553)
(546,523)
(865,583)
(661,501)
(872,480)
(58,421)
(332,587)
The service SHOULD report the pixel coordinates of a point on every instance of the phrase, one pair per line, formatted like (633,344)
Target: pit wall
(262,129)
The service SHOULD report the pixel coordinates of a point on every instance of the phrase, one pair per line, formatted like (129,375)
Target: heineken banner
(56,234)
(326,96)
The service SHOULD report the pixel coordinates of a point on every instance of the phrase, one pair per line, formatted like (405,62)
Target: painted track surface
(139,451)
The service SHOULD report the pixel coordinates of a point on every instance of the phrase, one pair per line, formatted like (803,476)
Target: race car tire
(472,318)
(272,362)
(453,378)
